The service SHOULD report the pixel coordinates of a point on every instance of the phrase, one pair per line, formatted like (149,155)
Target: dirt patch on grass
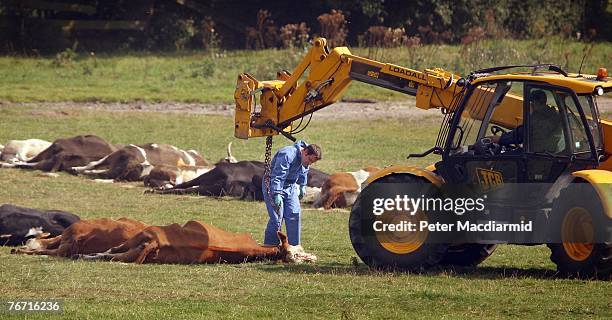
(341,110)
(404,109)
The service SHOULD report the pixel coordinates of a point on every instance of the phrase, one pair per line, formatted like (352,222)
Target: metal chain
(267,164)
(267,171)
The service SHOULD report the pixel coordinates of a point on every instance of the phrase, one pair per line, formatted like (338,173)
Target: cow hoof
(48,174)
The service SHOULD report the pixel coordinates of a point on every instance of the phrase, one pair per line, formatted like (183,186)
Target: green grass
(201,77)
(514,282)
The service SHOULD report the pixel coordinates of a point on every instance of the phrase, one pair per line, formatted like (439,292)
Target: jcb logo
(373,74)
(489,179)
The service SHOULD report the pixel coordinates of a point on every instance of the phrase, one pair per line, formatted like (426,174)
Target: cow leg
(105,256)
(121,252)
(334,194)
(175,190)
(270,252)
(51,243)
(135,250)
(94,172)
(88,167)
(40,246)
(140,254)
(43,165)
(124,253)
(20,165)
(42,252)
(124,247)
(57,166)
(322,198)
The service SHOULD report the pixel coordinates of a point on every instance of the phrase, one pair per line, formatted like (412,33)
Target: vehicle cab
(524,128)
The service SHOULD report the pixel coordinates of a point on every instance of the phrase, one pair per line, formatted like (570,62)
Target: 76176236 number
(19,306)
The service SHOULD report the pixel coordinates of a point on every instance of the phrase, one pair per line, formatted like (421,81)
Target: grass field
(204,77)
(514,282)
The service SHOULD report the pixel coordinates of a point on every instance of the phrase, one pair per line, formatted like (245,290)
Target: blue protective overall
(287,172)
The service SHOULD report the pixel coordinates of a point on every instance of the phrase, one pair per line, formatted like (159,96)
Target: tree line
(47,26)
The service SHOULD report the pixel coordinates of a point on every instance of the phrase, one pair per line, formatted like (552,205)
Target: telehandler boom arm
(330,72)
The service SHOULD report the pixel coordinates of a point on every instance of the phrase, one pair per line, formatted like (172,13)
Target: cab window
(546,132)
(579,138)
(492,109)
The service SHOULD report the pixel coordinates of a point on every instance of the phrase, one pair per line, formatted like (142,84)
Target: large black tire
(468,254)
(580,202)
(371,250)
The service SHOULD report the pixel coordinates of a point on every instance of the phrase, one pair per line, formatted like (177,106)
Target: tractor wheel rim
(577,233)
(402,242)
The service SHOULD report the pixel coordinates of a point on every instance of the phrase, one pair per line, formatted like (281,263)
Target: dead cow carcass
(64,154)
(226,179)
(341,189)
(22,150)
(85,237)
(17,224)
(314,182)
(135,162)
(194,242)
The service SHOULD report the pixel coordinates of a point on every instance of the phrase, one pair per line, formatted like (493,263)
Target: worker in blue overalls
(288,177)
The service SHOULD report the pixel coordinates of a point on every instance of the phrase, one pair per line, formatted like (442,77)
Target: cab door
(547,142)
(473,161)
(558,141)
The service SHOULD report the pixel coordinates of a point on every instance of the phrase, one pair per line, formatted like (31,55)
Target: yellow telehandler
(535,135)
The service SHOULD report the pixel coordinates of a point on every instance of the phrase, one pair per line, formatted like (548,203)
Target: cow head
(37,233)
(293,254)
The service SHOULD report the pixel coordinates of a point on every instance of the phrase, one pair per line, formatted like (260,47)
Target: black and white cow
(64,154)
(22,150)
(226,179)
(17,224)
(136,162)
(241,179)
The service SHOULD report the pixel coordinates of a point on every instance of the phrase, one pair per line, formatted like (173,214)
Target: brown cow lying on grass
(194,242)
(85,237)
(197,242)
(341,189)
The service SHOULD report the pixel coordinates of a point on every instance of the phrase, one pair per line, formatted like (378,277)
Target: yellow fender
(409,169)
(601,180)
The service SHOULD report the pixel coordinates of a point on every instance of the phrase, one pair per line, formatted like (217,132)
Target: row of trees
(49,25)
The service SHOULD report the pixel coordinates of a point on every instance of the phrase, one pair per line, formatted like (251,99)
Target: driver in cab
(545,134)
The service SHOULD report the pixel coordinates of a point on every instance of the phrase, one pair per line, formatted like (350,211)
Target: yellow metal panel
(601,180)
(606,128)
(410,169)
(244,101)
(578,85)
